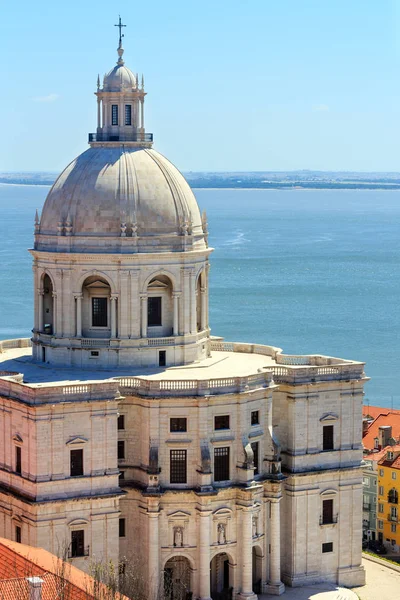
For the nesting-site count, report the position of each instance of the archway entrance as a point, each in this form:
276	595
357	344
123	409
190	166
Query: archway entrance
221	577
257	570
177	579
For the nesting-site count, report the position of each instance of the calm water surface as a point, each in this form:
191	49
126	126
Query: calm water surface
308	271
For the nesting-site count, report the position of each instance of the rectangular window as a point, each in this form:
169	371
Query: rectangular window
380	508
122	528
121	421
380	524
128	114
221	422
393	474
114	114
254	447
221	464
18	460
178	424
327	511
154	311
76	462
162	358
327	547
380	472
99	312
366	480
381	490
177	466
255	417
393	512
393	527
77	543
327	437
18	534
121	449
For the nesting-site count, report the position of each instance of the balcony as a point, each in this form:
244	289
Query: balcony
393	498
393	518
366	506
78	552
131	137
332	521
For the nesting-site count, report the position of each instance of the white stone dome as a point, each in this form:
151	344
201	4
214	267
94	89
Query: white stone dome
120	77
108	188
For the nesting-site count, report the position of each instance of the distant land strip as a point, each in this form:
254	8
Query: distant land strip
256	180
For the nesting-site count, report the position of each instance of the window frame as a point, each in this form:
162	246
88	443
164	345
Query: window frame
96	299
222	456
79	545
222	427
178	429
121	420
122	527
327	547
154	317
255	446
72	458
18	534
18	460
328	438
327	511
114	115
128	115
121	454
178	466
256	422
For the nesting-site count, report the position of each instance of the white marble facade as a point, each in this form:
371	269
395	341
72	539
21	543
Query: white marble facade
129	434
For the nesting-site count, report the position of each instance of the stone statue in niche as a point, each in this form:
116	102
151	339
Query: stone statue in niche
178	536
221	533
255	524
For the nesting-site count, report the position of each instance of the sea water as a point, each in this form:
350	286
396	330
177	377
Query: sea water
309	271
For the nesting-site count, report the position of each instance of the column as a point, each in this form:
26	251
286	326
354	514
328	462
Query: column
204	558
55	313
193	311
175	329
103	115
247	554
143	301
203	300
113	301
40	310
142	113
275	586
78	299
124	306
154	558
134	305
98	113
207	299
185	306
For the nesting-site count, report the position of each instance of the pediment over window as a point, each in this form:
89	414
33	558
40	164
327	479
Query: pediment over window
329	418
77	522
329	492
179	514
98	284
76	440
157	284
223	512
18	438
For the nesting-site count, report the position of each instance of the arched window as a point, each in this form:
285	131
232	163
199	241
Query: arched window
48	305
159	307
96	309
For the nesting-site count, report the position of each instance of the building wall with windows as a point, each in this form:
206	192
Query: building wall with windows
388	498
370	499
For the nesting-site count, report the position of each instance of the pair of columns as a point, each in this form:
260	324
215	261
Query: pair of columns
144	314
275	586
113	319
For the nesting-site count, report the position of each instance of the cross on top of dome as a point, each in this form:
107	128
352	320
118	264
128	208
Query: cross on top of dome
120	50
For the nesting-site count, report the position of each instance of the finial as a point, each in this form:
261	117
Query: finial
142	81
98	81
37	222
121	35
137	81
68	225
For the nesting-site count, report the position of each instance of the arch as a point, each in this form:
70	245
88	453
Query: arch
160	306
257	556
97	319
47	291
98	274
159	273
222	575
50	276
178	577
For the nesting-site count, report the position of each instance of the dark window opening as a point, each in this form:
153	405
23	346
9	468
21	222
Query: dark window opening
162	358
327	547
114	114
327	437
327	511
122	528
154	311
18	460
43	354
121	475
255	417
121	449
99	312
178	424
18	534
94	353
178	463
221	464
221	422
128	114
76	463
77	543
254	447
121	421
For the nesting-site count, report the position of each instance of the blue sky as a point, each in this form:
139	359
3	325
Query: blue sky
232	85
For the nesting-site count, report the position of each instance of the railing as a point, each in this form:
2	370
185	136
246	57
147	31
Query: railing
78	552
17	343
166	341
332	521
393	518
393	498
366	506
192	387
94	343
132	137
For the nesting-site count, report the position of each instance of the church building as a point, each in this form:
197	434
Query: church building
129	433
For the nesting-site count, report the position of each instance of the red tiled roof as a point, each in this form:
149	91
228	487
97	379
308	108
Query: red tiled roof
390	418
18	561
375	411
